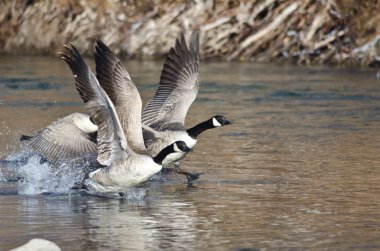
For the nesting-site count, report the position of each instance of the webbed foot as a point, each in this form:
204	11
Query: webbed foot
190	176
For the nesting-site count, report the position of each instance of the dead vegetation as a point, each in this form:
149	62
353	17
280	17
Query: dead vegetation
301	31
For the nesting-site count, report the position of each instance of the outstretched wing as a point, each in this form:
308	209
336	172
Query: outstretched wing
115	80
111	140
178	88
62	140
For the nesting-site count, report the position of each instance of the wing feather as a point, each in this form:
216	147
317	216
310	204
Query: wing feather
111	140
62	140
117	83
178	87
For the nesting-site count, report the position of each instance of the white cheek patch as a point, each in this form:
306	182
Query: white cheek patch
215	122
92	127
87	126
176	149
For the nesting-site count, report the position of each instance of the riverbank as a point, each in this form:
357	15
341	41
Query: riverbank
304	32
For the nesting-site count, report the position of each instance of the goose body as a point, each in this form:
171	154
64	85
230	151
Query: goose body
164	115
121	151
165	138
157	140
123	174
163	118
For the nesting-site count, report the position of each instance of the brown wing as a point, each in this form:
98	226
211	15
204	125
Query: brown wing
111	140
115	80
178	88
62	140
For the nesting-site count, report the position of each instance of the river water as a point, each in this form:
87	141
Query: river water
298	170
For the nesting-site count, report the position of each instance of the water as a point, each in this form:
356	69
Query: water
298	170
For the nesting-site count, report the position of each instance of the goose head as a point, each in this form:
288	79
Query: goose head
181	147
84	122
220	120
213	122
176	147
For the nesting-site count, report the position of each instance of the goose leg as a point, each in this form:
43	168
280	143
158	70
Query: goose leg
190	176
171	170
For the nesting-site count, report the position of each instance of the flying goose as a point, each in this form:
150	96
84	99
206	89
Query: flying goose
164	115
122	152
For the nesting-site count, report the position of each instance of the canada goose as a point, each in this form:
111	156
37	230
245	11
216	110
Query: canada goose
126	160
155	140
164	115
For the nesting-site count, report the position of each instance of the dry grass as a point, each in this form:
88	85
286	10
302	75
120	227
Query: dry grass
302	31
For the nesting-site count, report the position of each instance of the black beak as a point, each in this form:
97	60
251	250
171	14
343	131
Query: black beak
227	122
187	149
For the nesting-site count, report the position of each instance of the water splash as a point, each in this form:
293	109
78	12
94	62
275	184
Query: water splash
137	193
40	178
35	176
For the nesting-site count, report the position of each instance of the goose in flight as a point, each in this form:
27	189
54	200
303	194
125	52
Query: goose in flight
164	115
121	151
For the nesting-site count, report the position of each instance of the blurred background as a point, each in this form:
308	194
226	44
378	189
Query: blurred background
297	170
304	31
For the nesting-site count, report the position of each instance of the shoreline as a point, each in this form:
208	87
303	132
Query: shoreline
328	32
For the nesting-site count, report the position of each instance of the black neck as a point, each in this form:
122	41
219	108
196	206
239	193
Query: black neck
163	153
201	127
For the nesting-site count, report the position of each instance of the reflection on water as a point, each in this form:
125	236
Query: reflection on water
298	169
